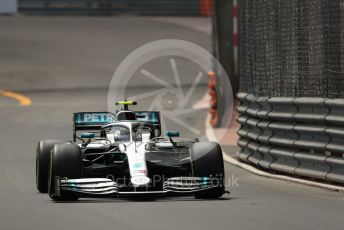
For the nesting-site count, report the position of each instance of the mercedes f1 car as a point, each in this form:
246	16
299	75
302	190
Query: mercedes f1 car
124	154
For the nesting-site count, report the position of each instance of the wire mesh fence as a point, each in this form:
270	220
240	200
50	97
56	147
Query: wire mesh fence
292	48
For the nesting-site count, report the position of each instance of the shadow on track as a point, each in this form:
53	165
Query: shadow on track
150	199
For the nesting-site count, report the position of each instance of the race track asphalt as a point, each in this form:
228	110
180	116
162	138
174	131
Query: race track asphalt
64	65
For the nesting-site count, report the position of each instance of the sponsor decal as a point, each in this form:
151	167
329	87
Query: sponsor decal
98	117
138	165
95	117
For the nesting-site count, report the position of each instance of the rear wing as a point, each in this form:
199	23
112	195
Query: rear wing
93	121
88	121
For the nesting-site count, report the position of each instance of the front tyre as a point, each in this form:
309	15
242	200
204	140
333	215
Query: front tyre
65	162
42	163
207	161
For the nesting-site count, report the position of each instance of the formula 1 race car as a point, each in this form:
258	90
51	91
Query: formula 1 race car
123	155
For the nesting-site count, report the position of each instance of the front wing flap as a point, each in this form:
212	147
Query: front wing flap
86	186
191	184
102	187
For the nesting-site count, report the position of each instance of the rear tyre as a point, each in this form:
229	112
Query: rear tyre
207	160
42	163
65	162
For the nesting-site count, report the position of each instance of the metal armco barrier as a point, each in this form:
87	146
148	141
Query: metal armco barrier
301	136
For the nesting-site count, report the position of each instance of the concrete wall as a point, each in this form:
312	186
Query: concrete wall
8	6
113	7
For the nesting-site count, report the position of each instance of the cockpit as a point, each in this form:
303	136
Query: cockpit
117	133
128	131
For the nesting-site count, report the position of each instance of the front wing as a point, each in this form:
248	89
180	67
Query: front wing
102	187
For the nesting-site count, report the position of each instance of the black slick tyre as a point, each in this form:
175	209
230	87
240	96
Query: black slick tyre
65	162
207	161
43	162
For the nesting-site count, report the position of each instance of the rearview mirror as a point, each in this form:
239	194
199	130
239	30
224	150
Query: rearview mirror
172	134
